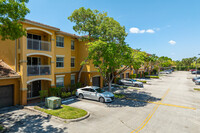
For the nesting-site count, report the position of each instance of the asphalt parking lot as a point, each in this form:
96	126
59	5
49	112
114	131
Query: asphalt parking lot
164	105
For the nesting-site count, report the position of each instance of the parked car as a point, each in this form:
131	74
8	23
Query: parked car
196	72
95	93
130	82
197	82
195	78
164	72
169	71
192	70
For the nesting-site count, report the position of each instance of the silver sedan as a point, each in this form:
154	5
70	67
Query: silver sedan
95	93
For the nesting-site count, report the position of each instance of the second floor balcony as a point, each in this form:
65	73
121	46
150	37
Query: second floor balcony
35	44
34	70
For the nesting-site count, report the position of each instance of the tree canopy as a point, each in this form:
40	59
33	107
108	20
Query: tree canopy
11	12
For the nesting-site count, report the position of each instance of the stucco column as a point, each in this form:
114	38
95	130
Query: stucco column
23	70
53	60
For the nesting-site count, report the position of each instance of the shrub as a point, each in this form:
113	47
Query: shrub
73	92
55	91
146	73
133	76
117	80
65	94
43	94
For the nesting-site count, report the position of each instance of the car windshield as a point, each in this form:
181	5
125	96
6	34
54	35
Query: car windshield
100	90
133	80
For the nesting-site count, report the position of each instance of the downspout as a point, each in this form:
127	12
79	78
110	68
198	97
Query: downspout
16	55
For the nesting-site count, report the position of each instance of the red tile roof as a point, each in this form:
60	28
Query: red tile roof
6	71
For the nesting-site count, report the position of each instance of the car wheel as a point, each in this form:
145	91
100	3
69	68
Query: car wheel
81	96
101	99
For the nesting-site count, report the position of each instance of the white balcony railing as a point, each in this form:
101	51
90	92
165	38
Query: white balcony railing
33	70
38	45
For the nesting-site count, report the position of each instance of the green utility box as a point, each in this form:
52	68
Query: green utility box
53	102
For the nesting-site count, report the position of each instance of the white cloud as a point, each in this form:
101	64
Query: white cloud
150	31
135	30
172	42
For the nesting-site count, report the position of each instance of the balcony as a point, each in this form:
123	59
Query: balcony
38	45
33	70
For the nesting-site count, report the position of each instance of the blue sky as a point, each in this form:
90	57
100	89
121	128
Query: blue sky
162	27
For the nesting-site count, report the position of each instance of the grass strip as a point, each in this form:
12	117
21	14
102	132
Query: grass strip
65	112
197	89
120	96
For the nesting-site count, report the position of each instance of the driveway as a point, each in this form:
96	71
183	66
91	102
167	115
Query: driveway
165	105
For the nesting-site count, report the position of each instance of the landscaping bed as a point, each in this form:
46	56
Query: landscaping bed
65	112
143	81
197	89
120	96
155	77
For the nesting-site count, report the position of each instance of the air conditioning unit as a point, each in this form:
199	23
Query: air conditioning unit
53	102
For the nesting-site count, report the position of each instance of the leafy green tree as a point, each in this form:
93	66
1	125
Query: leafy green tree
11	12
153	60
138	58
164	61
109	57
96	25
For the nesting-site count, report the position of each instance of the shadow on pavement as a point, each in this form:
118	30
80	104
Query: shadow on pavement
139	98
19	121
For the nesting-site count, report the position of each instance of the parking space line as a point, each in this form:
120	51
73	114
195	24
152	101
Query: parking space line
150	115
160	103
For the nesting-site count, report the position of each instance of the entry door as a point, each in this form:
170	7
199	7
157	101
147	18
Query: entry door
33	89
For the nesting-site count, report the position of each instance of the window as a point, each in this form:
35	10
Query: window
72	79
72	45
92	90
59	81
73	62
59	61
86	89
59	41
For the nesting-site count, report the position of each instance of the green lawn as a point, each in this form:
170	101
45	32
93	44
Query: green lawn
155	77
197	89
133	88
119	96
66	112
143	81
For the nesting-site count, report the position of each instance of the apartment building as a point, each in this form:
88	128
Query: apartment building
46	57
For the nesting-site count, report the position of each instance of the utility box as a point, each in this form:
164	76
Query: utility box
53	102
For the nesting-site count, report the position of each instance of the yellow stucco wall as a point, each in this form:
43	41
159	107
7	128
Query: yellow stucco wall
7	52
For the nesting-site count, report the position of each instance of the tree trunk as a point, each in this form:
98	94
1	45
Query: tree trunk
136	72
79	73
109	86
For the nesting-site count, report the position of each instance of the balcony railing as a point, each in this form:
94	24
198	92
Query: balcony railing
38	45
33	70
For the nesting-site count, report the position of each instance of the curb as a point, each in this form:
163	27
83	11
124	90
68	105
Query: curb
58	118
